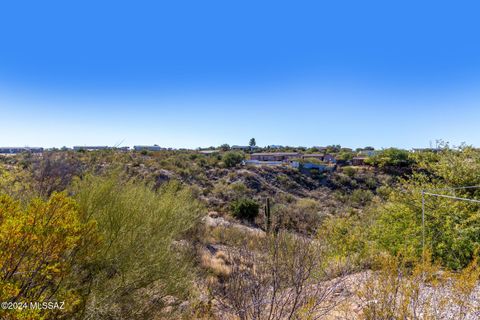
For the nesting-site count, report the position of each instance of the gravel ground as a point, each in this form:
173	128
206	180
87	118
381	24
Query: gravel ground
439	303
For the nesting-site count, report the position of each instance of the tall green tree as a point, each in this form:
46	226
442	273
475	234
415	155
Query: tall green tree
225	147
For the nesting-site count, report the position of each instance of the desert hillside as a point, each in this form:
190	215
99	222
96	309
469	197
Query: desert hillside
189	234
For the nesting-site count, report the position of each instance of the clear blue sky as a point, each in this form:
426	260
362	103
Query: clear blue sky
201	73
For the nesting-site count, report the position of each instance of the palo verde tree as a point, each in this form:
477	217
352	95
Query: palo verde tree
452	228
139	227
39	245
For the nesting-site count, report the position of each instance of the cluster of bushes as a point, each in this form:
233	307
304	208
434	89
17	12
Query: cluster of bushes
298	215
97	248
350	178
391	157
452	228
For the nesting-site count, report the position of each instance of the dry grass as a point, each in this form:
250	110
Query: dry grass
217	263
234	235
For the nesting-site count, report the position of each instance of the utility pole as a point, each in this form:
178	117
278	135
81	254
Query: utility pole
423	226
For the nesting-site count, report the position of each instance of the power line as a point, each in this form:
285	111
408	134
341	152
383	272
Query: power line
451	197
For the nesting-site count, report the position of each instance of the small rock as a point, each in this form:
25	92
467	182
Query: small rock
169	300
215	222
211	249
184	306
213	214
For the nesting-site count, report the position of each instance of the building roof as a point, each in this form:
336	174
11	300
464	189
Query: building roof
151	148
91	147
276	154
14	150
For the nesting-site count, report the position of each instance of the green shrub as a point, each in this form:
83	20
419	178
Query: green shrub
244	209
239	189
345	156
342	180
349	171
371	182
231	159
361	197
138	227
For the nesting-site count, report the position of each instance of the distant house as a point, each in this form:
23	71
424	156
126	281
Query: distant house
235	147
275	156
358	161
15	150
90	148
35	150
147	148
275	146
318	156
329	158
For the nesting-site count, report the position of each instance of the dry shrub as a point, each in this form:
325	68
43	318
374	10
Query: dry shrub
282	280
399	291
54	172
303	216
229	235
